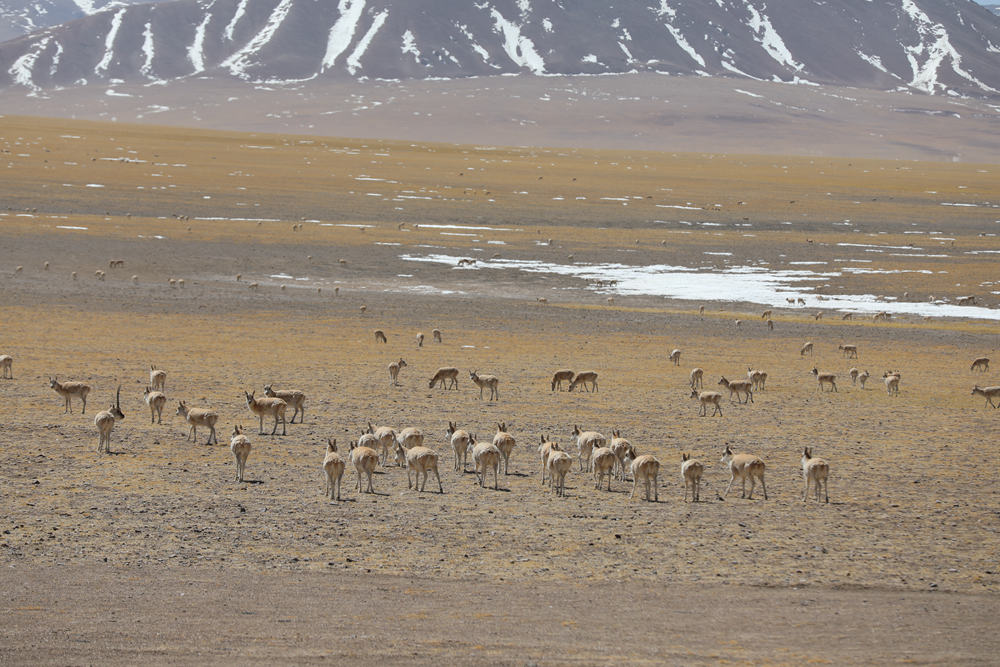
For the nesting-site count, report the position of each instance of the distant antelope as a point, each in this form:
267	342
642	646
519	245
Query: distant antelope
850	351
559	376
744	466
966	300
380	336
817	472
766	315
808	347
891	379
981	363
155	400
757	378
863	377
70	389
854	373
436	335
675	357
105	421
394	369
157	378
239	445
825	378
691	471
486	381
6	364
294	398
582	379
420	340
770	325
449	374
989	393
333	470
116	263
818	315
272	407
707	398
199	417
695	378
99	274
847	316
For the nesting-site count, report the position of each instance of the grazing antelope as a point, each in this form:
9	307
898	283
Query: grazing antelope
461	440
69	389
624	453
770	325
854	373
691	471
766	315
818	315
863	377
449	374
420	340
99	274
582	379
105	421
603	462
272	407
706	398
675	357
485	457
701	310
484	381
394	369
155	400
436	335
419	460
850	351
333	470
989	393
198	417
891	380
6	364
239	445
981	363
560	463
545	449
559	376
647	469
738	387
294	398
586	442
380	336
743	466
116	263
826	378
157	378
808	347
505	442
815	471
364	459
847	316
385	438
966	300
696	378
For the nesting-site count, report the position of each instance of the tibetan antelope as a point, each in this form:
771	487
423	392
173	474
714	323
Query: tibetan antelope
505	442
272	407
394	369
757	378
436	335
738	387
484	381
69	389
6	362
447	376
815	471
603	462
545	449
157	378
982	364
333	470
647	469
808	347
364	459
420	460
854	373
485	457
825	378
155	400
989	393
460	441
696	378
239	445
105	421
380	336
743	466
850	351
559	376
691	471
706	398
582	379
198	417
891	380
294	398
385	438
586	443
560	463
420	339
624	453
675	357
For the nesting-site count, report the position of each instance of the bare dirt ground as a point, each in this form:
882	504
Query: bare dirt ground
155	553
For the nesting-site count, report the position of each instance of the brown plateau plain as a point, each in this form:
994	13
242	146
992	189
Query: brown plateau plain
153	553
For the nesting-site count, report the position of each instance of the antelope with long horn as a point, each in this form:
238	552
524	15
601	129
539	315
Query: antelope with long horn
105	421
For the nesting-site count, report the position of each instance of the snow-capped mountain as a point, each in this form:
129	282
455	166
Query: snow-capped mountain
19	17
934	46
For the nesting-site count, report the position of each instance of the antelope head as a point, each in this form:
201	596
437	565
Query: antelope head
116	409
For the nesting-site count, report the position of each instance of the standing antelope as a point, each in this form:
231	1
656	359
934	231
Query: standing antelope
333	470
560	463
157	378
545	449
394	369
743	466
485	457
198	417
239	445
738	387
70	389
460	442
675	357
850	351
826	378
292	397
815	471
420	340
6	361
155	400
385	438
484	381
981	363
863	377
691	471
419	460
854	373
624	453
646	468
766	315
706	398
582	379
273	407
989	393
696	378
757	378
891	380
603	462
379	336
105	421
559	376
586	442
436	335
505	442
364	459
449	374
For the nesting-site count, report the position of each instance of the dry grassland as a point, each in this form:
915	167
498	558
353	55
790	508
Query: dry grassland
914	502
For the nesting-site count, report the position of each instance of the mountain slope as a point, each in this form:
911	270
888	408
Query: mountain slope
934	46
20	17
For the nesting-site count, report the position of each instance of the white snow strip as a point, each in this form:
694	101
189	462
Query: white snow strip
22	68
519	48
196	52
342	31
109	42
410	46
935	47
354	60
237	15
746	92
70	227
147	51
769	38
238	63
56	57
671	14
86	6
